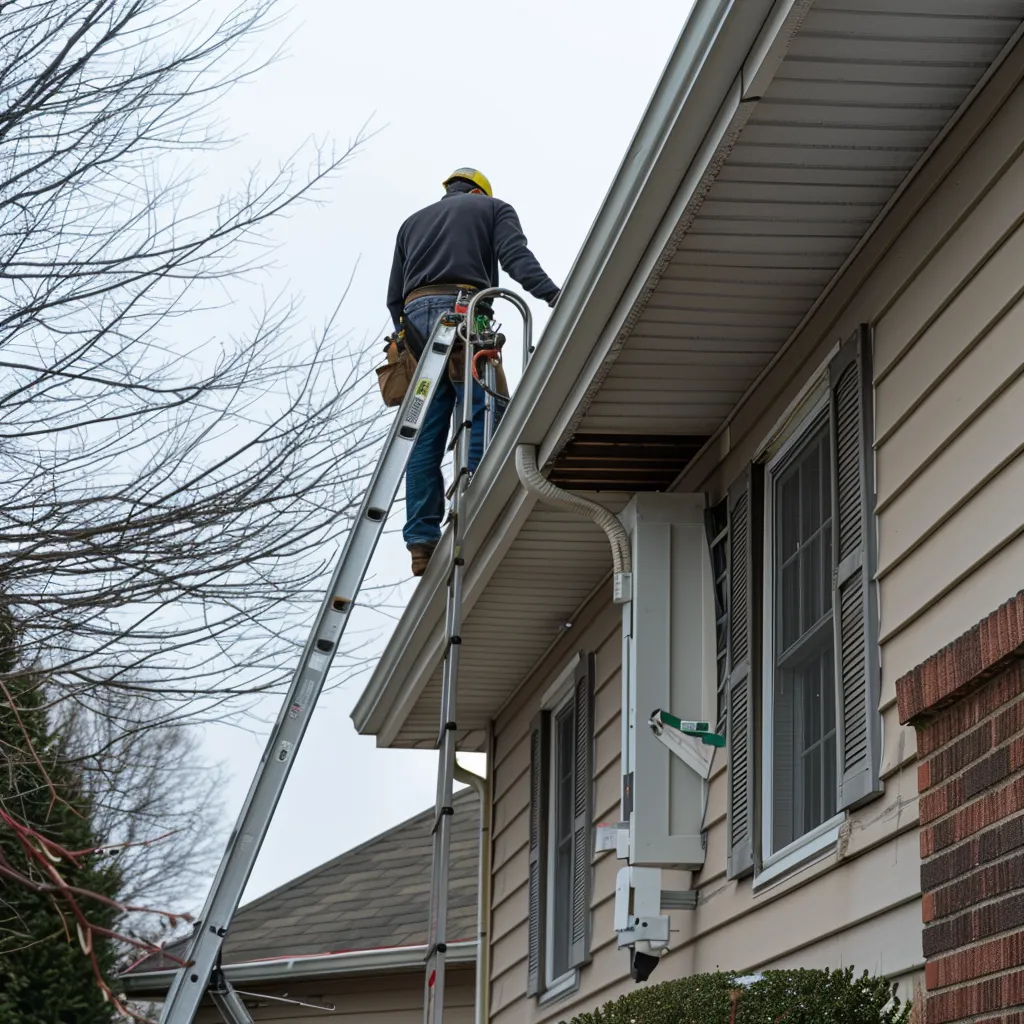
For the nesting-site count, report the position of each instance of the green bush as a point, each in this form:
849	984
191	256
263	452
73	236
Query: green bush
793	997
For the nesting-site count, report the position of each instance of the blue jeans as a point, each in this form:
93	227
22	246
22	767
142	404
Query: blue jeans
424	483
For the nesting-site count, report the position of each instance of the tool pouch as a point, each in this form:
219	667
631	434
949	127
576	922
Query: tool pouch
395	376
457	363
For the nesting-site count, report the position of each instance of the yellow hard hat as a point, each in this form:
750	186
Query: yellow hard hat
478	178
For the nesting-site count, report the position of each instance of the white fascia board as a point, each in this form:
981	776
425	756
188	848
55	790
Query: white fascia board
695	105
326	965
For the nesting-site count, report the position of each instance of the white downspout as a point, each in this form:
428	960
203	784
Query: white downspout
622	594
482	787
536	483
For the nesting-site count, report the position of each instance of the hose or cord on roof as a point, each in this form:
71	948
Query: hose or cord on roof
550	494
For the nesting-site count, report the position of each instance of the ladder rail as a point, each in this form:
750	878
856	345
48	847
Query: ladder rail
191	983
228	1002
447	740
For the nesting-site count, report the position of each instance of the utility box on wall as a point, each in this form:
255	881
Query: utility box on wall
668	665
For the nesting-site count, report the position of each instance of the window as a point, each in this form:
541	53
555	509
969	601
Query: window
801	636
561	772
802	736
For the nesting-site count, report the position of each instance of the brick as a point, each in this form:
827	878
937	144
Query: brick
957	755
987	846
1001	840
927	842
953	721
993	880
983	812
1009	722
967	704
947	866
1000	993
940	801
994	769
975	962
973	925
963	663
928	907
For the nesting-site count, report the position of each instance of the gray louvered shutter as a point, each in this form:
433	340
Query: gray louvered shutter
539	746
583	774
854	602
742	673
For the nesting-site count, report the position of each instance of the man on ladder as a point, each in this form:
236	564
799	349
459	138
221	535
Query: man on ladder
413	390
452	246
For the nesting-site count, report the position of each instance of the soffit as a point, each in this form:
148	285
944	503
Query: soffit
862	93
553	567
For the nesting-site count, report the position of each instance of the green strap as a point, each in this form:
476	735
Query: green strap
699	730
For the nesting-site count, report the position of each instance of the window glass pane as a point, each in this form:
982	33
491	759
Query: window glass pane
562	839
788	613
810	584
810	493
783	751
803	691
788	530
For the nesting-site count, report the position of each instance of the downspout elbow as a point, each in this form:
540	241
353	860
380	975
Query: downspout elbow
536	483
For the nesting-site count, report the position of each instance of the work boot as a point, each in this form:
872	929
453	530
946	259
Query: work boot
420	557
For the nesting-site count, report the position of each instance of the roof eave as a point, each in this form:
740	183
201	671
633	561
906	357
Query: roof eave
315	966
699	98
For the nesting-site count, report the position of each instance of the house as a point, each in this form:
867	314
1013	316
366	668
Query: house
789	358
349	936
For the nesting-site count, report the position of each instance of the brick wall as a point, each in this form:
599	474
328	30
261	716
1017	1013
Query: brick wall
967	704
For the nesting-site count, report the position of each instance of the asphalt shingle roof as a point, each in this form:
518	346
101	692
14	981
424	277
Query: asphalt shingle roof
374	896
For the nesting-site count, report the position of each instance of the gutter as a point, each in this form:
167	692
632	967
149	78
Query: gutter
316	965
701	102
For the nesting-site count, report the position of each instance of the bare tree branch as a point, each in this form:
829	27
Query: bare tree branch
172	493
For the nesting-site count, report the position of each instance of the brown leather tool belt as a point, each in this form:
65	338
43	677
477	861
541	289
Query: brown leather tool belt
438	289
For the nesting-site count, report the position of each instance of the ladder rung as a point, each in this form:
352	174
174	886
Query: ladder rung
436	949
459	427
445	812
450	493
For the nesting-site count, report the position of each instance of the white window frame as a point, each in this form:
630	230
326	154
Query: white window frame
819	839
557	697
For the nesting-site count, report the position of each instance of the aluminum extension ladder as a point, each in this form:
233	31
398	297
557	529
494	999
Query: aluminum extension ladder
444	811
203	974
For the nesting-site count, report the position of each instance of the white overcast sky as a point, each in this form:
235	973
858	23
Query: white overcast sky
543	96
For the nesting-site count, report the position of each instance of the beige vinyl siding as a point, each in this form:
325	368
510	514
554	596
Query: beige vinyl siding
871	917
950	399
393	998
941	283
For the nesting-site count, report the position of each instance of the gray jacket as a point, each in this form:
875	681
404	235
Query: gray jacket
461	239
